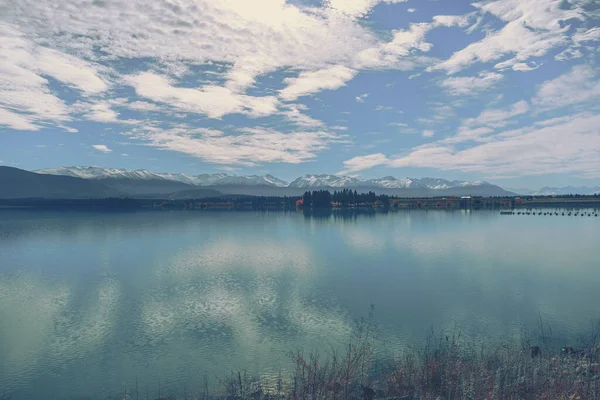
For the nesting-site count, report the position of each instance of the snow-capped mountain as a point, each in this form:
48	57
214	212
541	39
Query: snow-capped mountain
251	180
100	173
439	184
197	180
142	174
251	184
392	183
388	182
558	191
313	181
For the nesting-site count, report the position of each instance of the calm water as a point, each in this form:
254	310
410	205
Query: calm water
91	302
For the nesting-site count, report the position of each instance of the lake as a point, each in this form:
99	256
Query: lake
90	303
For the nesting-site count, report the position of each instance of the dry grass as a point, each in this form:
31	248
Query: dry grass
445	366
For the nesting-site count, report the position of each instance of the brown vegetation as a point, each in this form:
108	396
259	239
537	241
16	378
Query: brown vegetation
444	367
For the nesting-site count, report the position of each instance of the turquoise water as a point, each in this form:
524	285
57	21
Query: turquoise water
92	302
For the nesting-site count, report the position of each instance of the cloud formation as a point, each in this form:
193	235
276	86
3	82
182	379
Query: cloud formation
243	146
471	85
567	146
532	29
579	85
101	147
212	101
250	83
313	82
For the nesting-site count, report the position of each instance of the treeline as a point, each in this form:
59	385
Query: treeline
256	202
576	196
227	202
344	198
73	204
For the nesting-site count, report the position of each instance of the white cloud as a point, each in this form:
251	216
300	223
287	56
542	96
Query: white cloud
101	147
428	133
499	116
241	41
308	83
532	28
411	10
413	38
524	67
587	36
357	8
439	113
26	100
402	52
16	121
102	112
143	106
255	37
339	128
559	145
124	155
70	70
452	20
293	113
580	84
477	128
361	98
572	146
48	47
459	86
361	163
568	54
245	146
467	133
213	101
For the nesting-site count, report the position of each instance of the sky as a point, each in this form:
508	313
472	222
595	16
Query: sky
505	91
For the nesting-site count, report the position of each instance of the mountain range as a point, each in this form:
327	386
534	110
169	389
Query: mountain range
558	191
86	182
16	183
144	182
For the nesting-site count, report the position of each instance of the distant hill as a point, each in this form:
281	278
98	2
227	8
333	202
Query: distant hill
143	187
194	194
145	183
17	184
559	191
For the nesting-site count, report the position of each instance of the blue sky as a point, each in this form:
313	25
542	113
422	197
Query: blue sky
505	91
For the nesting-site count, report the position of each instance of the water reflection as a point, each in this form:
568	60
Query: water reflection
91	302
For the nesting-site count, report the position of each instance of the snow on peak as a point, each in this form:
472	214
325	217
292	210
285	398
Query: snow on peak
313	181
93	172
221	179
250	180
392	183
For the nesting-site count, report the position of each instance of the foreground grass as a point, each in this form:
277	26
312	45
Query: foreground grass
443	367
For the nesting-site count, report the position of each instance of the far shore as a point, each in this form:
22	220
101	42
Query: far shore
257	203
